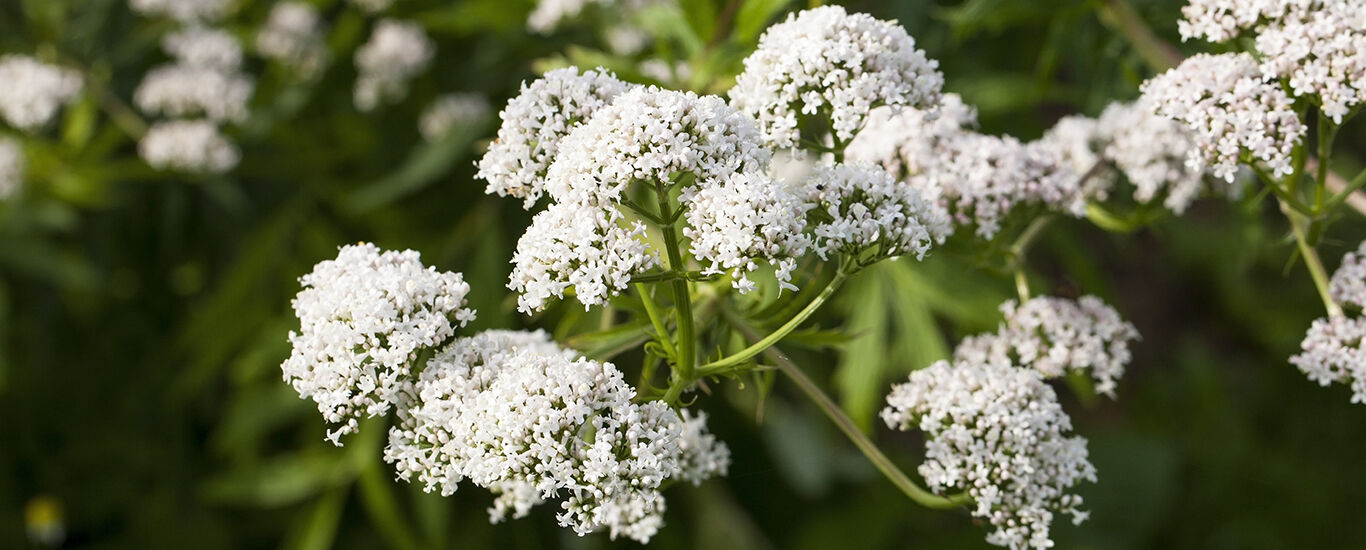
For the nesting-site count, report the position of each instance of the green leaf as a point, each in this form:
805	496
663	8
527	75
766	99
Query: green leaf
753	17
427	163
316	527
862	366
608	343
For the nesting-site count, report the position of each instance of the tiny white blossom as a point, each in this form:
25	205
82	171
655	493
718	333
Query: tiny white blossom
204	47
450	111
33	91
1055	336
395	52
861	207
364	317
1320	50
745	218
534	122
11	167
984	177
911	142
997	433
189	146
828	63
180	90
571	246
293	36
1333	352
1348	285
515	414
185	11
1229	106
548	13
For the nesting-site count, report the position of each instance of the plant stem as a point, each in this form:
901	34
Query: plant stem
1020	248
685	346
1021	284
656	320
725	363
1312	261
846	425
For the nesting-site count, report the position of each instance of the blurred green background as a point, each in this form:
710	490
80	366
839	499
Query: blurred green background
143	315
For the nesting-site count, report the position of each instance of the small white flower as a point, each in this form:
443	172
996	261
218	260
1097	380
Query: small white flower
1348	285
571	246
180	90
1229	107
364	317
450	111
185	11
33	91
1320	50
745	218
293	36
11	167
395	52
861	207
911	142
204	48
1055	336
997	433
1333	352
189	146
984	177
826	62
534	122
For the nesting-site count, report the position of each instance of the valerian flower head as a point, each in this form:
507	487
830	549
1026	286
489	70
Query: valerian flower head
204	47
33	91
188	146
911	142
364	317
1319	48
515	414
395	52
860	207
1055	336
1348	285
1229	107
293	36
451	111
588	249
984	177
996	432
179	90
1333	352
828	63
11	167
534	122
745	218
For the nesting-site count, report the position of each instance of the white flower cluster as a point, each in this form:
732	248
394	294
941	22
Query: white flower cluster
395	52
372	6
364	318
1319	48
184	11
513	413
1055	336
828	63
450	111
745	217
1229	106
1222	20
910	142
293	36
1333	346
189	146
584	248
11	167
534	122
997	433
33	91
1149	150
862	207
549	13
204	80
1334	352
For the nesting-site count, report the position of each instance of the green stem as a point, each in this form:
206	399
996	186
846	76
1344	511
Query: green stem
1312	261
1020	248
656	320
686	346
846	425
1356	183
729	362
1021	284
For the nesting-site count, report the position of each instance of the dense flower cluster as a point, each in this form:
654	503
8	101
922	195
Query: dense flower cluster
1317	46
1055	336
589	249
395	52
293	36
11	167
1334	352
1348	285
1229	107
185	11
534	122
836	65
188	146
910	142
364	318
743	218
1127	138
204	80
861	207
513	413
33	91
450	111
996	432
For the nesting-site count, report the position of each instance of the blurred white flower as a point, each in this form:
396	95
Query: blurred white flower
830	64
1229	107
861	207
395	53
1333	352
364	318
188	146
1055	336
997	433
203	47
372	7
182	90
33	91
185	11
1348	285
293	36
450	111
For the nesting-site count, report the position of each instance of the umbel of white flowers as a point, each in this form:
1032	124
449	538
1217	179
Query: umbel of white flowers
509	411
1334	348
33	91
